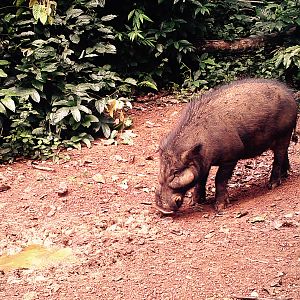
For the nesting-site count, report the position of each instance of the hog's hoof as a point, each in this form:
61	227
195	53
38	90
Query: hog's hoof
273	184
219	206
198	200
221	203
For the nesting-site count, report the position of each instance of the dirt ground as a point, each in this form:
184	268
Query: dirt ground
99	205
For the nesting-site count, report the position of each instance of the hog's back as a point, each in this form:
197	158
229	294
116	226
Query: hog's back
236	121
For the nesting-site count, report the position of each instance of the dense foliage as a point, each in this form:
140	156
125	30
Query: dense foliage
68	69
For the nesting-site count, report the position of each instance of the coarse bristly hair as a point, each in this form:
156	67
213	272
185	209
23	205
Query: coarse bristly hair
201	104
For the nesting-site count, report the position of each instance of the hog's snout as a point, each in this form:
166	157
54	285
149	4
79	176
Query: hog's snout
178	202
166	202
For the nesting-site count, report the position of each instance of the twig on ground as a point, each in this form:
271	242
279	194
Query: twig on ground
48	169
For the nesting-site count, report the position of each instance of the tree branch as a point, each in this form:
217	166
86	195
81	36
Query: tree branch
245	44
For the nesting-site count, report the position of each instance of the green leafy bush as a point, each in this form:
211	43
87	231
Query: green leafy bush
68	70
56	88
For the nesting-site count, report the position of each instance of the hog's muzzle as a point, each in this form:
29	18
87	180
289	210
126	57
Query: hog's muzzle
167	204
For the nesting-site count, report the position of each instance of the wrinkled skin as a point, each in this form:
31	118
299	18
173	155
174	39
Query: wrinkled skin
236	121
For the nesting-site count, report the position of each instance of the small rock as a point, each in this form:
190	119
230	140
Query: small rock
141	242
99	178
254	294
62	189
114	178
30	296
209	235
52	211
150	157
113	227
120	158
241	214
4	187
258	219
118	278
124	184
277	282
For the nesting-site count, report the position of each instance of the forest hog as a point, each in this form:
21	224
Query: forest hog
236	121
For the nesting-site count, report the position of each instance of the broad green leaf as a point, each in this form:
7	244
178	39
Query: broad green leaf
95	3
131	81
144	17
87	142
4	62
43	16
39	43
88	120
16	92
83	20
76	113
297	62
149	84
60	114
36	11
131	14
2	109
100	106
101	48
113	134
278	60
74	38
296	50
108	18
287	60
38	131
73	13
84	109
45	52
106	130
35	96
75	145
2	73
50	68
38	85
92	118
9	103
76	138
61	103
21	76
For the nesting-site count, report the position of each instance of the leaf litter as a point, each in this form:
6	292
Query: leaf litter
123	246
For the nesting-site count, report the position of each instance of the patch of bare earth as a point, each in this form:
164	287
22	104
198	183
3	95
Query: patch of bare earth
125	249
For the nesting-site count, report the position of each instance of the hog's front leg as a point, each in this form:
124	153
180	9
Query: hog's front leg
223	175
199	193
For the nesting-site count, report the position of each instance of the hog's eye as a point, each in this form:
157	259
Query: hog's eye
176	172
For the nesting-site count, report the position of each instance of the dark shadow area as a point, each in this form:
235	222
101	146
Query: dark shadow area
245	194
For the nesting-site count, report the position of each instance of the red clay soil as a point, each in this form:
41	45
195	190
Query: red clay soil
125	249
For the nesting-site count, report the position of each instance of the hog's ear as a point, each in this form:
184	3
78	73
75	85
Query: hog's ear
183	179
190	154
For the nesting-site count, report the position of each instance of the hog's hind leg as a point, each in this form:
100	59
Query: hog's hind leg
285	166
281	163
